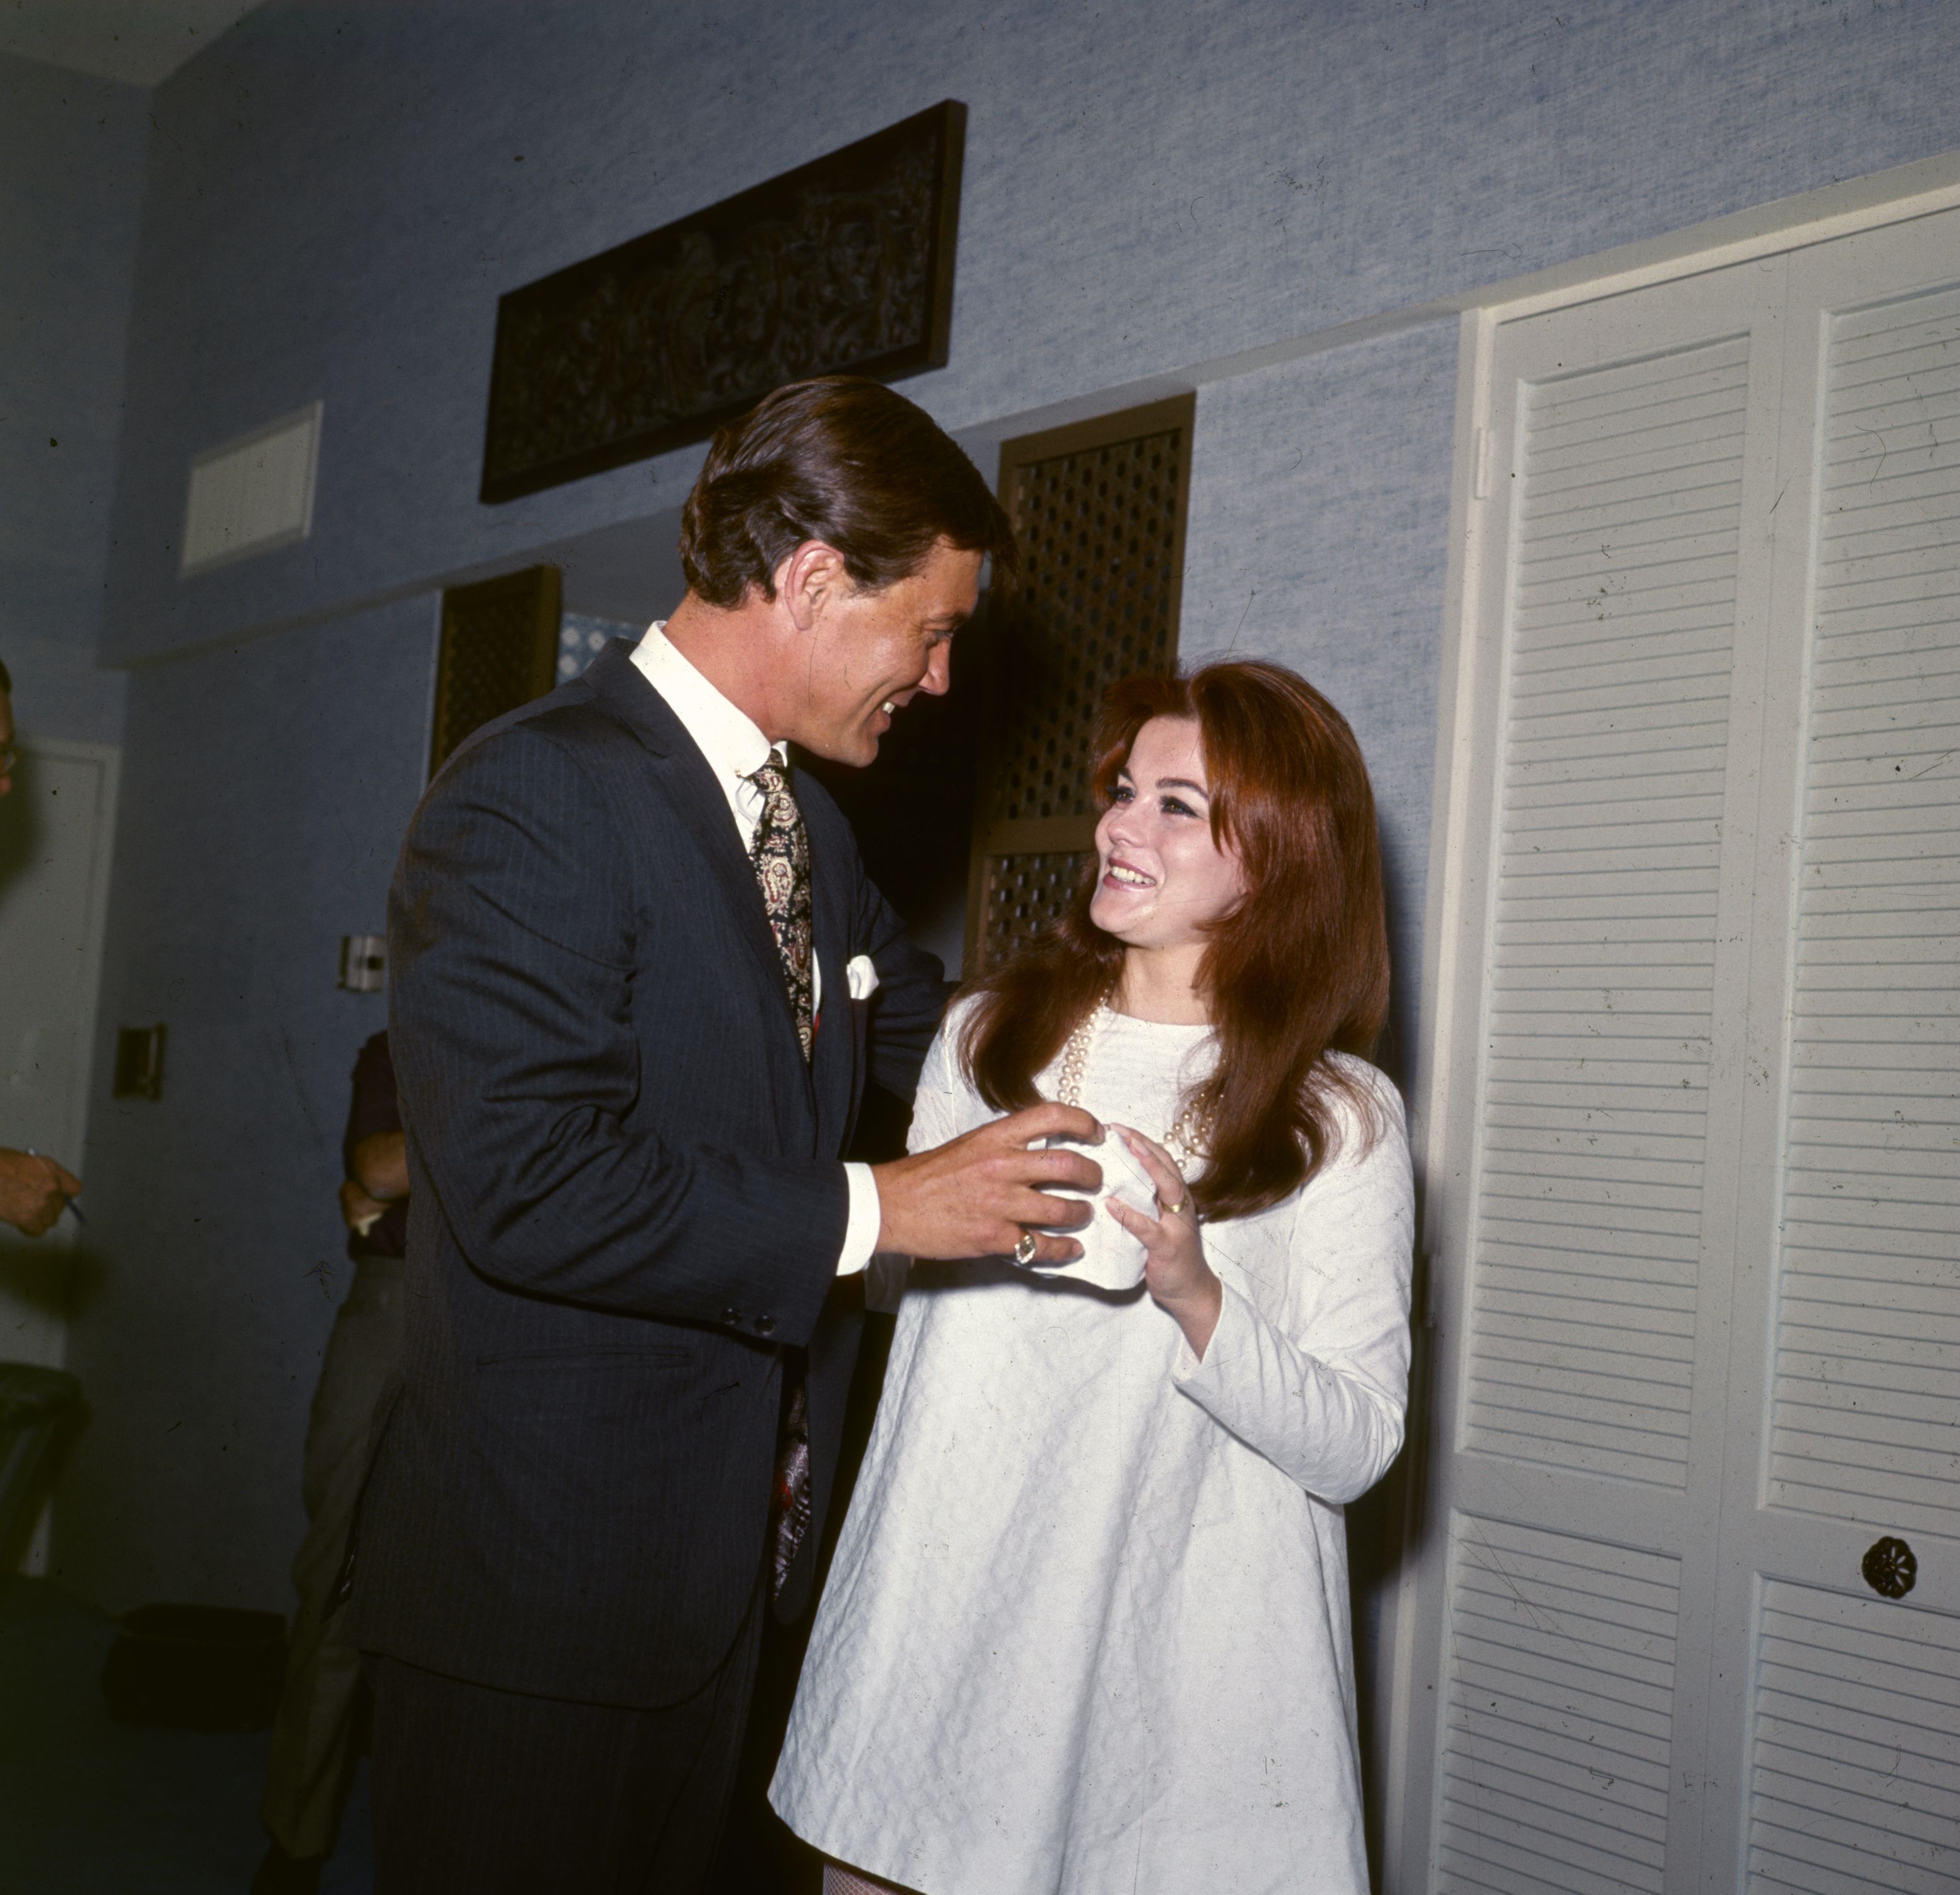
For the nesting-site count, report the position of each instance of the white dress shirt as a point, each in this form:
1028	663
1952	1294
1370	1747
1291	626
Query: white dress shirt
736	748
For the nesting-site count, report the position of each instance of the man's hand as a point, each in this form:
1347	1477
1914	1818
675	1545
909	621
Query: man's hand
359	1212
381	1166
33	1191
975	1196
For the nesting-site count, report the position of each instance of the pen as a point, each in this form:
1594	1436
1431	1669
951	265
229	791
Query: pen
68	1204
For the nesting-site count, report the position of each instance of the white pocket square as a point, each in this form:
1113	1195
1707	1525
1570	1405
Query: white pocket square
860	977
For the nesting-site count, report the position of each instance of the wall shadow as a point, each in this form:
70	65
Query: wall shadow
1386	1527
912	808
20	824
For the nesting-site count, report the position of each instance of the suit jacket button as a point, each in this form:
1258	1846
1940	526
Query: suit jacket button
731	1316
765	1325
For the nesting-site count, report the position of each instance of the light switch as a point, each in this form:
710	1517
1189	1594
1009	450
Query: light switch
139	1063
363	963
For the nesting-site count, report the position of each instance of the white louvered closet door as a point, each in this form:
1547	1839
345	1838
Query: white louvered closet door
1602	883
1840	1705
1691	1145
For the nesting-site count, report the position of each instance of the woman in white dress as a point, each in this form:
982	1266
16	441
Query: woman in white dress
1086	1630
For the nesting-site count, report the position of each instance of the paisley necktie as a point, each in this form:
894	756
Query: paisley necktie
782	857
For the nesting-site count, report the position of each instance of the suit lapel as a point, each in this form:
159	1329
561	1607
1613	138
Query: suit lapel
697	797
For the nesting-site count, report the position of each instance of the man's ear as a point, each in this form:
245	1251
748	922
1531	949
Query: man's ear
811	578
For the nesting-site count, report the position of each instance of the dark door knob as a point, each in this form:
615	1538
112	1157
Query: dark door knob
1889	1568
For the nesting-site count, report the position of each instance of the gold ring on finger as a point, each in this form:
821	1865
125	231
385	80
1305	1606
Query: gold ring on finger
1171	1210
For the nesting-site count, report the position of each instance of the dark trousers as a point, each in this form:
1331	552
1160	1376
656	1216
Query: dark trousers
479	1791
315	1738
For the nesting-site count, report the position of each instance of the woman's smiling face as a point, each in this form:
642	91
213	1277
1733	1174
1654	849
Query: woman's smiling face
1163	879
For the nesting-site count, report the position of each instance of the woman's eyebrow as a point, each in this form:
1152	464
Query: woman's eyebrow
1182	783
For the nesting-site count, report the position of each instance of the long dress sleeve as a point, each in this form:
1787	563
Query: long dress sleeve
1309	1365
945	1105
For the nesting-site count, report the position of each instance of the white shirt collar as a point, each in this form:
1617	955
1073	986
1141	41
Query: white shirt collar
730	739
735	747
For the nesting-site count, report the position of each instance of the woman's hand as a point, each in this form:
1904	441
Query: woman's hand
1174	1271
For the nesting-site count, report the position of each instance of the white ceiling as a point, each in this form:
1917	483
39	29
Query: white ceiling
139	42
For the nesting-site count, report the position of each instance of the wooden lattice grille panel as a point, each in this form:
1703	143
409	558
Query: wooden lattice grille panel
1868	1327
1559	1714
1098	510
1024	893
500	647
1587	1252
1098	531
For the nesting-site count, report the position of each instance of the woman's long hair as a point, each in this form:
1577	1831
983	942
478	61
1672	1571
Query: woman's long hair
1297	968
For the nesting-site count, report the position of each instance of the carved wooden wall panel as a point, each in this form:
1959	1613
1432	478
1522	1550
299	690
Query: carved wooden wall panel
842	265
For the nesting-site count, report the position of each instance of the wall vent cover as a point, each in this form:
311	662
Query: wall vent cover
253	493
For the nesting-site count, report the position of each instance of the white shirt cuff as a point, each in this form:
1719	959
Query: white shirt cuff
861	1233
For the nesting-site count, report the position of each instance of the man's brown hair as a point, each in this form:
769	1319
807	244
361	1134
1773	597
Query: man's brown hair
842	459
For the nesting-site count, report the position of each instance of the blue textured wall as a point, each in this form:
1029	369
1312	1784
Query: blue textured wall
336	196
339	195
71	184
264	788
1320	495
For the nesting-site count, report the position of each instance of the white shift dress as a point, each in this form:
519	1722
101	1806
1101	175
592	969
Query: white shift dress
1087	1631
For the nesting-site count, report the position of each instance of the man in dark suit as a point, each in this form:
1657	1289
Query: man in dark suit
639	980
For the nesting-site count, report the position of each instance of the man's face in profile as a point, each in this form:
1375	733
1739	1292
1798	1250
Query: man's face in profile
876	650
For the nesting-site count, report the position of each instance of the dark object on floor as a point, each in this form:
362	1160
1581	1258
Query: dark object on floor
196	1668
41	1411
280	1874
91	1806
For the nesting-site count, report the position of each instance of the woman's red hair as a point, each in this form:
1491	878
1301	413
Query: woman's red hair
1298	968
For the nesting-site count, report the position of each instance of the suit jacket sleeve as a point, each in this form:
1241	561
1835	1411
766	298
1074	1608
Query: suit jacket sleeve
511	932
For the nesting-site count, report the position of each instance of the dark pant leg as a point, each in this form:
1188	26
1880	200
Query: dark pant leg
313	1750
479	1791
680	1785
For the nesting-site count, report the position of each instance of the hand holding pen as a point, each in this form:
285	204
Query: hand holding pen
34	1191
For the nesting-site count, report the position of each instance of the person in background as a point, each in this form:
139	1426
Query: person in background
316	1736
34	1190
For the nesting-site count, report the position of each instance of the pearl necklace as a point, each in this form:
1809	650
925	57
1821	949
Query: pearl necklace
1188	1139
